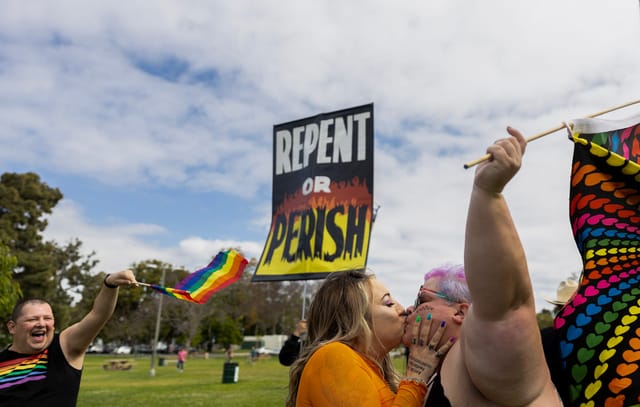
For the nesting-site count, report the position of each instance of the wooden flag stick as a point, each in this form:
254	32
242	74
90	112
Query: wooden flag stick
553	130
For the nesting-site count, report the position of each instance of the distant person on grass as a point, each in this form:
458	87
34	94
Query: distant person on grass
182	357
43	368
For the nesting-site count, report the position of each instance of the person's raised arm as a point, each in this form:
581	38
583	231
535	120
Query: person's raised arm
76	339
495	263
500	338
291	348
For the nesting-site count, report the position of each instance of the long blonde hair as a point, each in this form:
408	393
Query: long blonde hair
340	312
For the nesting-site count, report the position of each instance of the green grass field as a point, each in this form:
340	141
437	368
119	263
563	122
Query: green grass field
262	383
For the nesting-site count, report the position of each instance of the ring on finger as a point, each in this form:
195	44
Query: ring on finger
439	354
414	341
431	347
421	342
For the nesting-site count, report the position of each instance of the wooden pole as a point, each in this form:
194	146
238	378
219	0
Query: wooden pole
304	299
552	130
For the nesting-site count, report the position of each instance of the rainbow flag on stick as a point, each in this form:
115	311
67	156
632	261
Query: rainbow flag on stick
226	268
598	329
173	292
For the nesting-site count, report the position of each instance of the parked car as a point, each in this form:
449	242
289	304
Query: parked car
96	347
142	348
267	351
123	350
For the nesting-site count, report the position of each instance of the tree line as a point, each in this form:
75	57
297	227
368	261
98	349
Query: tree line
31	266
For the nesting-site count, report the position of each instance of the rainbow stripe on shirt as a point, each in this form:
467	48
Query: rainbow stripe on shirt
27	369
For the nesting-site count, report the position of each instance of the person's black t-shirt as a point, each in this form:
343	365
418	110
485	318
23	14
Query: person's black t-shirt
436	397
551	346
43	379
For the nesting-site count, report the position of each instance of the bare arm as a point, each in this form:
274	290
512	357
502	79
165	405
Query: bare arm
76	339
500	342
495	261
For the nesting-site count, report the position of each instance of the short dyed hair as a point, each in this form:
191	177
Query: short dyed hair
453	281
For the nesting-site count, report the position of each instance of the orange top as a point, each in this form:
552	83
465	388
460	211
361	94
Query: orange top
336	375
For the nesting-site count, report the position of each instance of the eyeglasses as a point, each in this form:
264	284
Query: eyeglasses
438	294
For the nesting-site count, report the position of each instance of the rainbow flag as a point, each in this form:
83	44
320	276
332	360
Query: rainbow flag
598	328
226	268
174	292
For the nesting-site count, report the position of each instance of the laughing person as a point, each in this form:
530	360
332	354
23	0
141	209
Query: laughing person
43	368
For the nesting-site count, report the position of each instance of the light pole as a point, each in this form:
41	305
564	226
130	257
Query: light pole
154	345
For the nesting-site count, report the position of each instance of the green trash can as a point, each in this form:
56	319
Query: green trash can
230	372
160	361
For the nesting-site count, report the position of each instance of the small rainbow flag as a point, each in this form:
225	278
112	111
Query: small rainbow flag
173	292
226	268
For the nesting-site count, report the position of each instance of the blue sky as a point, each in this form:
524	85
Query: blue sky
155	118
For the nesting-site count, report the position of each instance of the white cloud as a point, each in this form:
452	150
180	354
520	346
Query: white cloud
446	78
119	245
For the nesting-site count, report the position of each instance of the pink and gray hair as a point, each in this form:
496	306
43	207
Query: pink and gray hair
453	281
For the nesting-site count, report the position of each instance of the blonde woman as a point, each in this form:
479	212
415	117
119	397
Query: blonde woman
354	323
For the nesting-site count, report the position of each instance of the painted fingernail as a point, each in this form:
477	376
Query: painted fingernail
418	318
452	339
428	316
442	324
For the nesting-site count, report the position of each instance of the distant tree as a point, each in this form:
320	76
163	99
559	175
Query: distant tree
44	269
24	199
181	319
545	318
24	202
133	320
243	308
292	311
224	313
74	282
276	306
227	332
10	291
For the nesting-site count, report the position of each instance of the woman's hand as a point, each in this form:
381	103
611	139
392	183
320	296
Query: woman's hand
424	354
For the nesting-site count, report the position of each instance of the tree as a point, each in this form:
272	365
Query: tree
241	308
24	199
63	276
44	269
545	318
133	320
24	202
10	291
227	332
72	277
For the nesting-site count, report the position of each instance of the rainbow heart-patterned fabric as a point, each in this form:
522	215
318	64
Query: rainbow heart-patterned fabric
599	328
